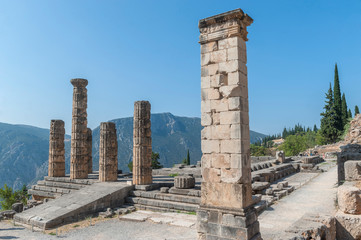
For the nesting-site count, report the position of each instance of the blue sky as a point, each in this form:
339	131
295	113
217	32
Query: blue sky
148	50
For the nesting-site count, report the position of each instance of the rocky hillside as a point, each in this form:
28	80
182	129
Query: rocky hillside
24	149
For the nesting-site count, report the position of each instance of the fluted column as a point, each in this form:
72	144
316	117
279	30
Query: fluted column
142	144
108	152
56	149
78	158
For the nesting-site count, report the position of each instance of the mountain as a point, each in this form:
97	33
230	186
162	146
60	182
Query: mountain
24	149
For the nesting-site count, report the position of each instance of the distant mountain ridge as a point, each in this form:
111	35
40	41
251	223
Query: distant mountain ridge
24	149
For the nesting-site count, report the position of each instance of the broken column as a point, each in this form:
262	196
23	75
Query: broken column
226	210
56	149
89	141
142	144
78	156
108	153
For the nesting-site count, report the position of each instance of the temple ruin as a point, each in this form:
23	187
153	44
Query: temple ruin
56	149
79	155
142	144
108	153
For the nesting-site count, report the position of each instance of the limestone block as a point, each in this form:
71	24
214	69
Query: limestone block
206	106
231	146
231	175
209	47
230	117
212	69
232	42
221	160
184	182
211	174
237	78
206	132
230	91
231	66
349	198
205	59
348	226
220	132
239	160
259	186
236	53
206	161
215	118
206	82
219	56
236	131
210	146
213	94
353	170
204	94
234	103
206	119
219	80
219	105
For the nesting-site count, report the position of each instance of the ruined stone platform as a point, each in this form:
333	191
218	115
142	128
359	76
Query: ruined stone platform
75	205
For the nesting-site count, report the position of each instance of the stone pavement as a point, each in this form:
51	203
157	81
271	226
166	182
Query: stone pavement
315	197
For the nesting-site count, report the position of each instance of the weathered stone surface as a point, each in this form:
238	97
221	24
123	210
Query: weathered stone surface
226	165
89	141
353	171
108	152
8	214
184	182
280	156
142	144
349	198
348	227
79	152
17	207
56	149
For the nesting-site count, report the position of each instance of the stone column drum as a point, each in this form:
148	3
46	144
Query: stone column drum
142	144
89	141
56	149
226	210
79	156
108	153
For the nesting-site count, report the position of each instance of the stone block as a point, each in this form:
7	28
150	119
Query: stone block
348	227
219	80
230	91
205	82
211	174
219	56
231	146
209	47
238	78
206	106
213	94
206	119
220	160
230	117
349	198
210	146
205	59
352	170
221	132
219	105
184	182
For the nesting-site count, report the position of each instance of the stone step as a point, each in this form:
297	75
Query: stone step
167	197
68	180
43	194
51	189
60	184
162	204
159	209
186	192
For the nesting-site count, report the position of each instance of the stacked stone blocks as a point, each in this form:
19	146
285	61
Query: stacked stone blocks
108	152
89	141
226	165
142	144
79	150
56	149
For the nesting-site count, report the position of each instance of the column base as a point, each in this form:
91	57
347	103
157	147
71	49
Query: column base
227	224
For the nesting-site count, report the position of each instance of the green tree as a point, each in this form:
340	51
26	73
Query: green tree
8	197
293	145
329	125
130	166
188	158
155	163
344	110
349	114
337	101
357	111
315	129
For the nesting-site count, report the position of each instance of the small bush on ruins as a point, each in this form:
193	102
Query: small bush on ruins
8	196
155	163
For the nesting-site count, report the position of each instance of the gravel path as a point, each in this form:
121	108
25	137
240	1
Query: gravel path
317	196
108	230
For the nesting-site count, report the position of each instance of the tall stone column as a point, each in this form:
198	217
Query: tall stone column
142	144
108	153
226	210
89	142
56	149
79	156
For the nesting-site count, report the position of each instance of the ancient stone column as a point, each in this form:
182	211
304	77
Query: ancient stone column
226	210
142	144
89	141
79	156
108	153
56	149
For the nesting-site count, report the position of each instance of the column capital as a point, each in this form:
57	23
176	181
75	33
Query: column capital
225	25
79	82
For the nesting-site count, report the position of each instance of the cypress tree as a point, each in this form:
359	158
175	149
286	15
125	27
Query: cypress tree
315	129
337	100
344	110
188	158
349	113
356	110
329	125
